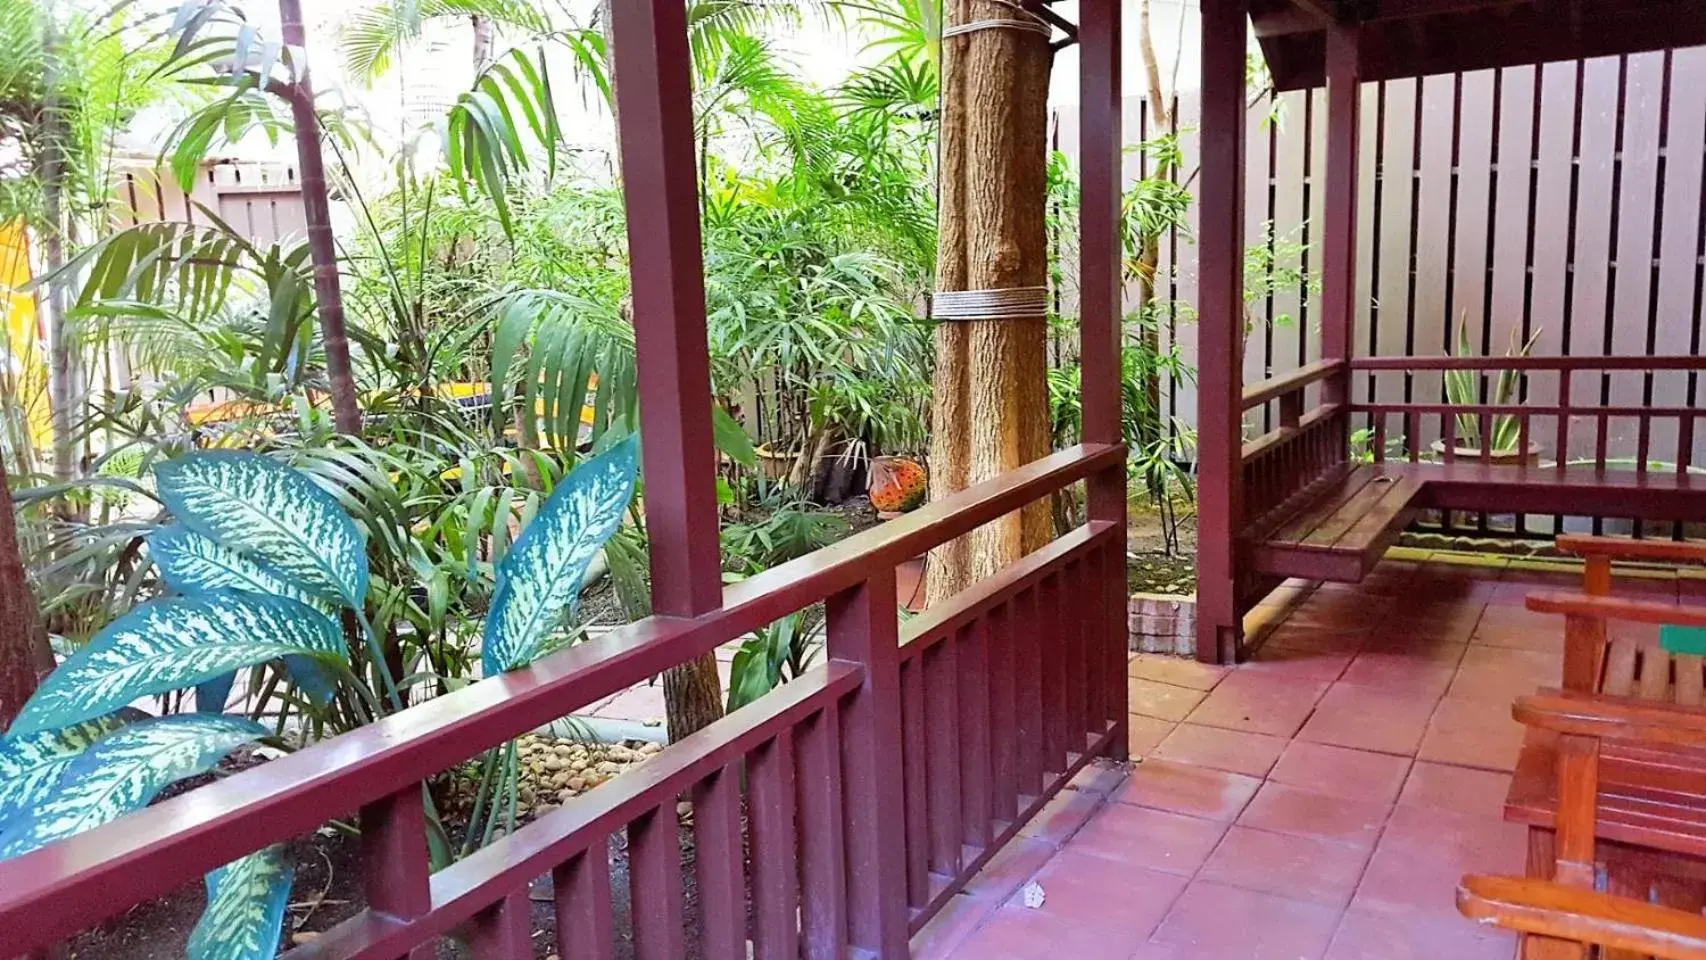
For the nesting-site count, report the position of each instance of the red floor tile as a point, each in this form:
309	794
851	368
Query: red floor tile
1258	704
1424	853
1369	718
1017	933
1177	671
957	920
1374	932
1126	902
1342	772
1061	817
1464	790
1236	751
1182	788
1153	839
1162	700
1146	734
1286	865
1211	921
1473	733
1501	674
1011	866
1293	810
1403	675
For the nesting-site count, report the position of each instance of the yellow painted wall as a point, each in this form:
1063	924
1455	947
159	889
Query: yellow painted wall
23	368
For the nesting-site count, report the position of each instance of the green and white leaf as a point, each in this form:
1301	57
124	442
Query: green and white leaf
274	514
245	908
31	764
175	643
192	564
540	578
123	772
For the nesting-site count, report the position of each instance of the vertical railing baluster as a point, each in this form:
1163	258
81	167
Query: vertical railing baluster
395	871
1074	654
1643	442
976	775
942	754
1028	693
1448	436
1601	440
1112	646
823	864
1053	670
863	629
1003	752
1486	437
1523	437
914	773
654	884
586	929
775	870
719	864
1562	453
1684	443
1378	441
1413	429
504	930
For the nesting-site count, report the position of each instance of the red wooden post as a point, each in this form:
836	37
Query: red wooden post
1100	317
395	874
654	96
1220	334
1339	232
582	888
863	629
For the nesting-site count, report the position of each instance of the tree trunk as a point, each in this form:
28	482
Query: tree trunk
316	212
1149	255
24	650
52	169
990	396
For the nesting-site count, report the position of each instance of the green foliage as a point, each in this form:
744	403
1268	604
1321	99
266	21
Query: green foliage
1464	387
245	908
774	655
32	764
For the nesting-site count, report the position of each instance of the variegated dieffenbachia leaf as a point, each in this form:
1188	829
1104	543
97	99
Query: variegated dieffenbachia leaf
31	764
123	771
540	578
245	908
170	644
191	563
276	515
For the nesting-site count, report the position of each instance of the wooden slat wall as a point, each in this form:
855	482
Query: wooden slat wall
1503	197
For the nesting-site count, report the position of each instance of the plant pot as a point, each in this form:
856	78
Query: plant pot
1501	458
896	485
774	465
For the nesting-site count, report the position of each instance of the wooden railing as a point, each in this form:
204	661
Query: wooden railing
1422	424
991	703
1304	450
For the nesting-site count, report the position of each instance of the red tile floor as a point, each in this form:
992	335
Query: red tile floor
1319	801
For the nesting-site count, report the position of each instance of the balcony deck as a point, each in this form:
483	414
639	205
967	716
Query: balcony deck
1319	801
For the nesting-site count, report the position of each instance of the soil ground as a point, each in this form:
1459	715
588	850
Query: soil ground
1153	563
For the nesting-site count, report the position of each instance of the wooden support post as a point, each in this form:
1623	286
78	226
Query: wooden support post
863	628
1339	232
654	98
395	871
1101	319
1220	328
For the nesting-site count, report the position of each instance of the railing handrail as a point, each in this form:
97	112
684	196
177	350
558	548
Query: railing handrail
1554	363
1258	447
53	892
1524	409
1272	388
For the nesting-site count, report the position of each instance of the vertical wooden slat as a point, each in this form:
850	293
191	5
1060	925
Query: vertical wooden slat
718	863
1448	436
774	868
504	930
1685	440
1379	440
863	629
1075	653
1562	451
1486	437
1003	753
823	864
976	773
654	884
585	926
654	96
942	734
395	870
1028	693
914	774
1413	431
1052	644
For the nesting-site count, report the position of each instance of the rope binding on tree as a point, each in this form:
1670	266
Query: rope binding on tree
1012	303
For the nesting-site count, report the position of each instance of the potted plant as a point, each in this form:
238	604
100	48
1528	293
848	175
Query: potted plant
1463	388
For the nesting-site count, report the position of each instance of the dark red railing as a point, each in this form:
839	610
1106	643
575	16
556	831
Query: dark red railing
1304	451
991	702
1548	389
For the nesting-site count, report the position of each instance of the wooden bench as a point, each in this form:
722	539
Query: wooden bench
1566	920
1338	528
